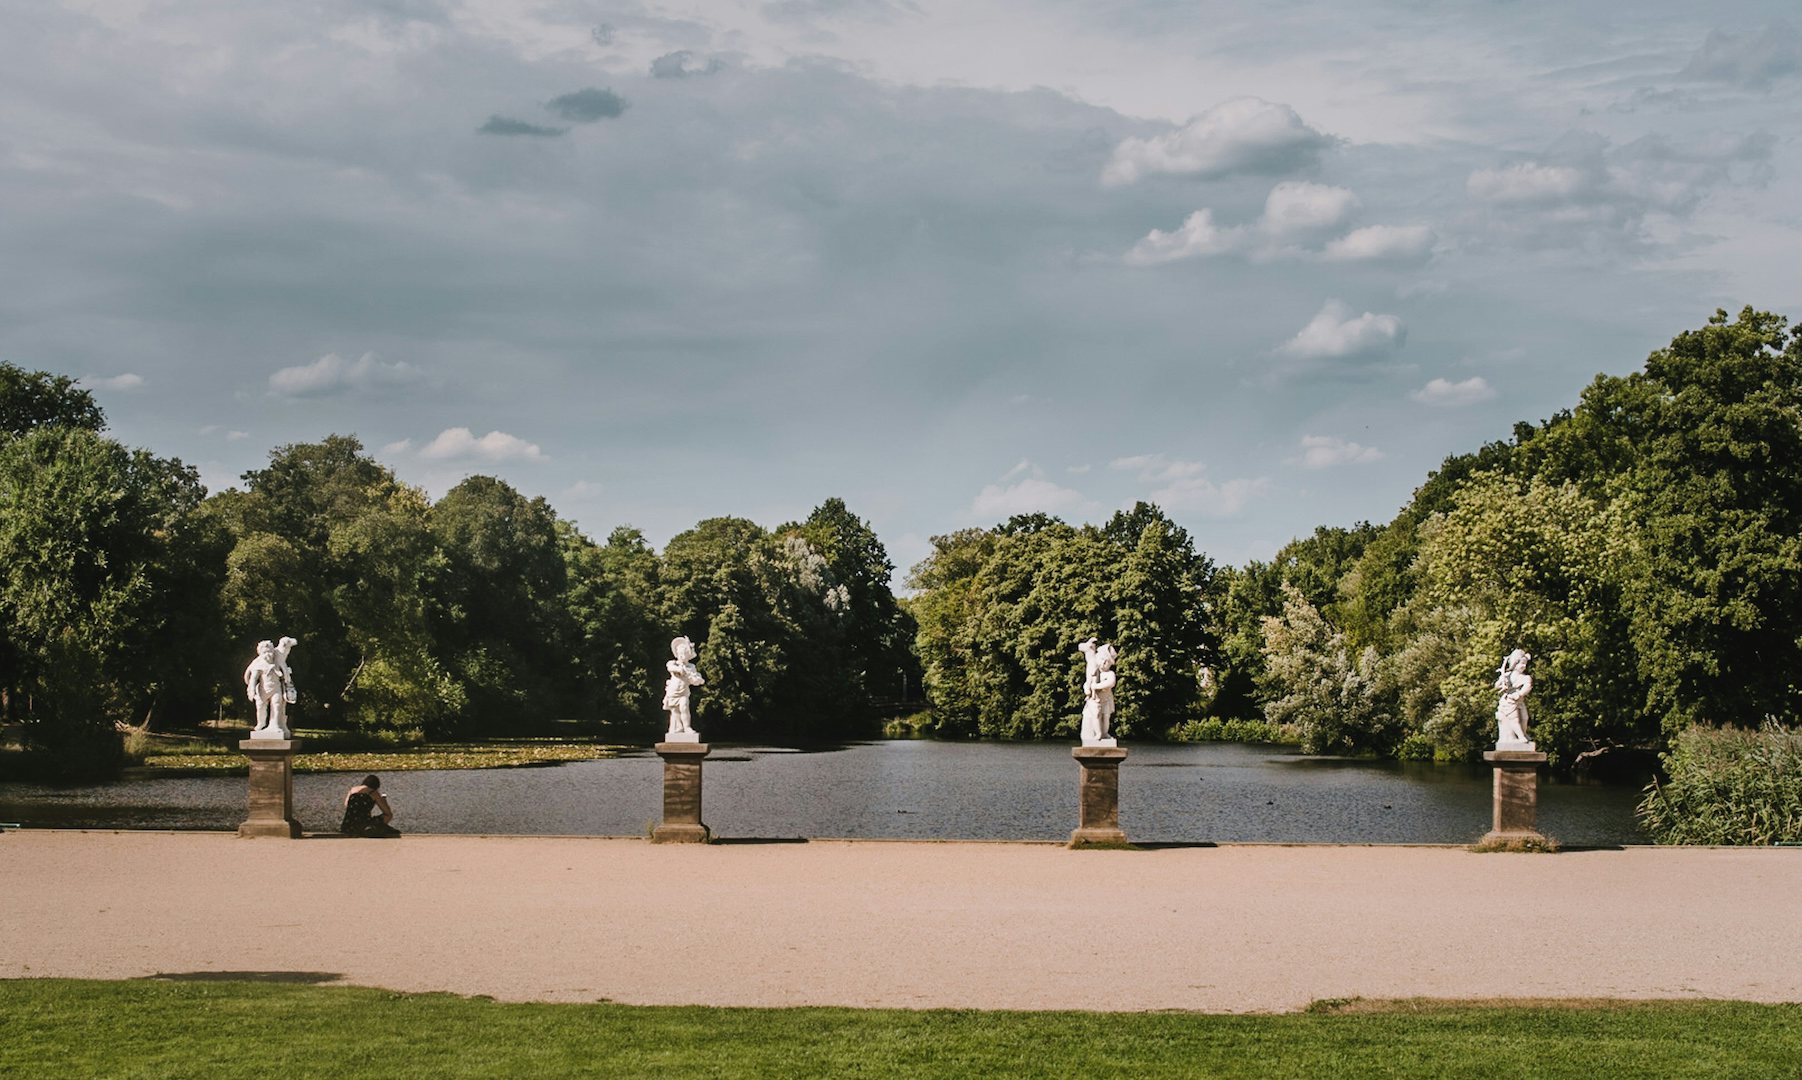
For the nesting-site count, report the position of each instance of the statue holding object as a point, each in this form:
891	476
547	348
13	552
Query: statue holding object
682	675
1511	711
1098	693
269	683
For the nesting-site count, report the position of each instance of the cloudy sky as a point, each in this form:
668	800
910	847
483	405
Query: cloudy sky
1263	263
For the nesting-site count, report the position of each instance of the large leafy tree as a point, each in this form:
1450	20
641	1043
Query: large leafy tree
1001	611
1718	484
334	550
769	619
102	557
504	624
878	634
621	644
1526	563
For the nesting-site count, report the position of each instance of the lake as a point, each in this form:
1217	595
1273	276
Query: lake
899	789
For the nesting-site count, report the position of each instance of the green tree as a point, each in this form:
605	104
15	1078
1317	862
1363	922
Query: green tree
1000	613
1336	696
878	633
622	645
504	624
332	549
100	554
34	399
1717	600
1536	565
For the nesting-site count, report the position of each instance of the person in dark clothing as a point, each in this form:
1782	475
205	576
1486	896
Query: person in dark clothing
366	810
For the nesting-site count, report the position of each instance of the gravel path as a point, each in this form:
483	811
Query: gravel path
1015	926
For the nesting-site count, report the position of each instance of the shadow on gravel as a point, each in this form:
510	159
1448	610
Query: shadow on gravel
308	977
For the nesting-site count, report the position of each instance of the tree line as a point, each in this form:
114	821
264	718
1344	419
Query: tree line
1645	546
128	594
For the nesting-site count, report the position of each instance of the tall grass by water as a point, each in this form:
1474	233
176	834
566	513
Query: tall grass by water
1728	786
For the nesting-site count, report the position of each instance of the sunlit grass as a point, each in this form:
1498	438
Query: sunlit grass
67	1028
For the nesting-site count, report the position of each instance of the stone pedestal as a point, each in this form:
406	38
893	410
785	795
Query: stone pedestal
1516	794
681	822
271	788
1100	820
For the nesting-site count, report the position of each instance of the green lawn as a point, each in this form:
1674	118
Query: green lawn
68	1028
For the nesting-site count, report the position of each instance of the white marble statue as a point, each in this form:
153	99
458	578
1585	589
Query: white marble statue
269	682
1098	693
682	675
1511	711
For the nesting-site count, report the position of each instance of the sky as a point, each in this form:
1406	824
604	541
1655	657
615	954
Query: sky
1265	264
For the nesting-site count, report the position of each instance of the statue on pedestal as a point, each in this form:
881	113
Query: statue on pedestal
269	682
682	675
1098	693
1511	711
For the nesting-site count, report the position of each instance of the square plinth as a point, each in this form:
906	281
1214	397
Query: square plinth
1099	791
1516	793
681	794
270	791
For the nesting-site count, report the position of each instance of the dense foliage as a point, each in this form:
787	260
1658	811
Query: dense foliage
1728	786
1645	547
1001	612
127	595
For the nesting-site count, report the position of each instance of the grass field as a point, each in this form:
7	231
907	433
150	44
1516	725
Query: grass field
156	1028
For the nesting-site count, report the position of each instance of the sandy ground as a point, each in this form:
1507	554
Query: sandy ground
1025	926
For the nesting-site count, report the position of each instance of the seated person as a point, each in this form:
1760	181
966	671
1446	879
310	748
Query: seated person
366	811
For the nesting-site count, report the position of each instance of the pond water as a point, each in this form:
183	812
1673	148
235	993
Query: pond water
918	790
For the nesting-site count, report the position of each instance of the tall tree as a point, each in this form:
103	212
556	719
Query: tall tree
504	626
100	556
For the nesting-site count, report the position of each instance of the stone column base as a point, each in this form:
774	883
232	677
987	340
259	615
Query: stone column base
681	822
1516	795
1099	823
271	797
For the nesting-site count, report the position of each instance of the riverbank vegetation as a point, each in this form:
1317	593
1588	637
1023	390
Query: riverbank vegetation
191	757
1644	545
1728	786
212	1028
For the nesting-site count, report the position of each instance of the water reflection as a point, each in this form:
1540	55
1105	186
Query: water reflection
1208	792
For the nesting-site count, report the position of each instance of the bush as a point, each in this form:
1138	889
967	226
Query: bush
918	725
1728	786
1217	729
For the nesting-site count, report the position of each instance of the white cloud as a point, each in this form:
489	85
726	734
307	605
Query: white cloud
1450	395
1326	451
1297	215
1298	207
581	489
1386	243
1335	332
460	443
126	382
1027	495
1198	235
1528	182
1178	485
235	436
398	447
332	374
1245	134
